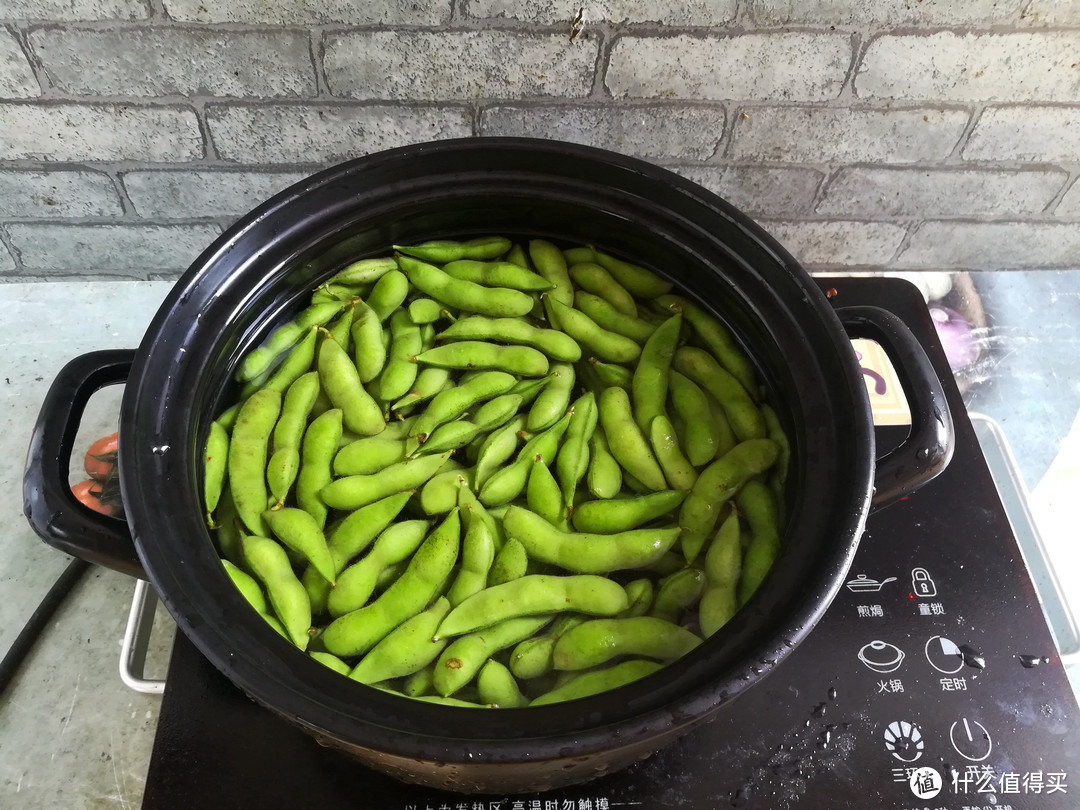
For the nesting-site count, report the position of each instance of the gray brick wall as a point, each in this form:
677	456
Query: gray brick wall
864	134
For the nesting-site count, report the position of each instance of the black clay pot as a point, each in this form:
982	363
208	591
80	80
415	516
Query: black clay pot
264	268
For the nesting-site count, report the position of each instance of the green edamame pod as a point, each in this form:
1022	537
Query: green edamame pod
477	555
270	564
498	687
356	532
522	360
555	344
516	255
717	484
589	335
573	460
608	317
775	431
369	342
506	484
678	592
587	553
552	402
510	563
442	251
452	403
543	496
248	587
626	441
297	362
723	567
496	274
420	683
757	504
450	436
717	339
640	594
691	406
440	494
532	595
467	500
597	641
388	294
497	412
248	455
260	360
316	455
577	255
341	382
725	436
604	476
339	328
364	271
531	658
429	382
498	447
622	514
354	491
331	661
215	465
550	263
327	292
529	390
639	281
702	368
679	472
600	680
425	310
229	530
368	455
358	631
595	279
612	374
399	374
284	464
498	302
650	382
299	531
464	657
405	649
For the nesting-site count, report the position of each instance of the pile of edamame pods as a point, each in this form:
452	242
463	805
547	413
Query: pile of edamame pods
488	473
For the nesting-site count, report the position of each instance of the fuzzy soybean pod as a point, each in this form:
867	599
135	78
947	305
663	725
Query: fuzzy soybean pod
600	680
453	402
405	649
298	530
610	318
649	387
597	641
357	632
497	448
757	504
369	342
270	565
552	403
450	436
702	368
543	496
524	361
533	595
573	460
284	463
364	271
516	255
331	661
551	264
723	566
506	484
296	363
440	494
442	251
640	593
691	406
717	339
595	279
354	491
388	294
555	344
215	466
260	360
622	514
599	342
249	588
528	389
587	553
496	274
612	374
477	555
429	382
775	431
531	658
425	310
462	659
626	441
368	455
357	582
604	476
679	472
341	382
725	436
510	563
716	485
639	281
496	412
399	374
248	455
677	593
498	687
498	302
339	328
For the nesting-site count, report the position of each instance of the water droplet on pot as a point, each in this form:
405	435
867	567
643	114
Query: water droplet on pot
923	453
832	693
1029	661
819	710
160	449
972	657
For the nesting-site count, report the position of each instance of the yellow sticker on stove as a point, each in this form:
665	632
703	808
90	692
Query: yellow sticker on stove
887	400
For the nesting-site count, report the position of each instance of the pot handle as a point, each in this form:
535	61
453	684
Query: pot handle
930	444
48	503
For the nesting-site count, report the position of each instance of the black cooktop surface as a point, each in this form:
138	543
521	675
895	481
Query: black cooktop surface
931	683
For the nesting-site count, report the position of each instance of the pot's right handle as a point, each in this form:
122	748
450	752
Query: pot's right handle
929	446
49	505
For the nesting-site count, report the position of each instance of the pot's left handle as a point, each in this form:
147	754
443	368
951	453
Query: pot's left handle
49	505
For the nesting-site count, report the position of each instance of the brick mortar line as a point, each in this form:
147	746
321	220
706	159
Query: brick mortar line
10	248
905	241
36	67
1070	181
457	13
126	205
847	86
976	114
599	92
722	154
157	10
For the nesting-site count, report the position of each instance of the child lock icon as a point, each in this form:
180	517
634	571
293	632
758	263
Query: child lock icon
921	582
